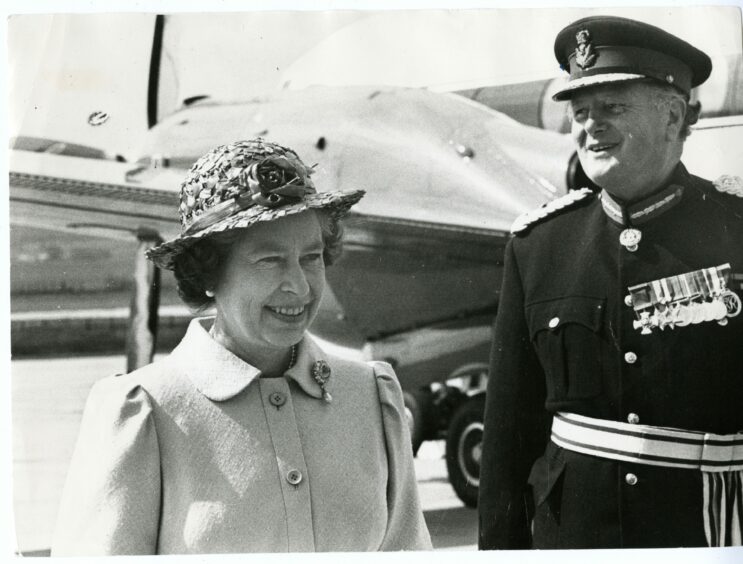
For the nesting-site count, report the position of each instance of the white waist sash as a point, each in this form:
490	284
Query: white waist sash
719	457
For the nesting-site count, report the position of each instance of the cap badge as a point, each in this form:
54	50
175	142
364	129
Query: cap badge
585	56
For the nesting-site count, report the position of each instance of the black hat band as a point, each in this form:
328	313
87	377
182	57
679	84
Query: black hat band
635	60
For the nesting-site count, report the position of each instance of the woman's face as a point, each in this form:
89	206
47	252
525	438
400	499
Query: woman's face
270	287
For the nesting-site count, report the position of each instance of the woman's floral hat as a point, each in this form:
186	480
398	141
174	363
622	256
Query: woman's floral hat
234	186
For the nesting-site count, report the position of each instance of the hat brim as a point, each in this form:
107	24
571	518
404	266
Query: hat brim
336	203
569	88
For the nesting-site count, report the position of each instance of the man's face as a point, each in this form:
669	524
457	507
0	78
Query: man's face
624	140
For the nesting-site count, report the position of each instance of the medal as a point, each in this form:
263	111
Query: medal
709	311
683	315
732	303
684	299
719	310
644	323
630	239
697	313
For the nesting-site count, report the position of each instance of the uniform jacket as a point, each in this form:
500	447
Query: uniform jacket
564	341
198	454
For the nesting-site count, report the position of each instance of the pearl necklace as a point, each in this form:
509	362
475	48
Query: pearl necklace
293	359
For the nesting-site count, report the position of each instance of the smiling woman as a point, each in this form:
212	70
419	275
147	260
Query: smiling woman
247	437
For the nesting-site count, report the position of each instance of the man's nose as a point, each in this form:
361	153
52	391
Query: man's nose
594	123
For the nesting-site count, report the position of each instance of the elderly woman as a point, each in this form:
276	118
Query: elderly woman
248	437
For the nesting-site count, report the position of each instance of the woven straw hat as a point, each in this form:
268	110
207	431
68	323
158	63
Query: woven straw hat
234	186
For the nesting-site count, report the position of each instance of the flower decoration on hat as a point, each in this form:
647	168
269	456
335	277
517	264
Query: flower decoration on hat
274	181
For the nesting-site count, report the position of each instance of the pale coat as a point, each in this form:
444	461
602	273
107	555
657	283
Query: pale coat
190	455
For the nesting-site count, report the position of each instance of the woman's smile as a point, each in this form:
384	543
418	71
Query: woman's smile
293	314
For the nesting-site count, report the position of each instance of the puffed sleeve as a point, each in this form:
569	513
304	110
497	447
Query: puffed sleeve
111	500
515	425
406	528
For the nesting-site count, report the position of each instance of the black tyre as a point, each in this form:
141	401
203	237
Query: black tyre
417	404
464	449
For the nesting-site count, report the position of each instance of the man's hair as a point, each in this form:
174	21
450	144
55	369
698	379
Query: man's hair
664	94
198	267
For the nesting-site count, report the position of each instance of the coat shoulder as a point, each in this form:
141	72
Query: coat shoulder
728	190
551	209
725	194
153	380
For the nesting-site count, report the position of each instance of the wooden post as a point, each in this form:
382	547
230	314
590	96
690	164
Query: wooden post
141	336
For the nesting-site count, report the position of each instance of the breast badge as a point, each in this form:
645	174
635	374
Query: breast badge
685	299
630	239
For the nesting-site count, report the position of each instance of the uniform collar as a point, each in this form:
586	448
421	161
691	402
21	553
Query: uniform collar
221	375
649	208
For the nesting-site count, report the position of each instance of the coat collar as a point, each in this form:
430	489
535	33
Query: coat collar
649	208
220	375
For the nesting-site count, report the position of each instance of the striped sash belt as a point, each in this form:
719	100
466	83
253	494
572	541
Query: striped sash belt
719	457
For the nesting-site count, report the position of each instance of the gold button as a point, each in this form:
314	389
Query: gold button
294	477
628	300
631	479
277	399
630	357
633	418
554	322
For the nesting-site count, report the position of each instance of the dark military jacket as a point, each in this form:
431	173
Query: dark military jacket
564	340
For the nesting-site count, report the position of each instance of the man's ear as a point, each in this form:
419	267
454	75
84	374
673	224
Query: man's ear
677	109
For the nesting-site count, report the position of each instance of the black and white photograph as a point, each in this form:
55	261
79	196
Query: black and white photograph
444	281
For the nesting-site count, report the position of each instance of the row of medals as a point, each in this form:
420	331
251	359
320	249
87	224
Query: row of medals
690	298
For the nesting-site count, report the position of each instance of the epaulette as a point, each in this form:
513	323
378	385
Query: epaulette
526	220
729	184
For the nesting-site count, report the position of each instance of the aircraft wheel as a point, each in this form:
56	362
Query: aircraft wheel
415	412
464	449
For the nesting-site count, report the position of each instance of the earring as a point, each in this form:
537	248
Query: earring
209	293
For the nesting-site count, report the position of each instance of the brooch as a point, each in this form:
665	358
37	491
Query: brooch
321	373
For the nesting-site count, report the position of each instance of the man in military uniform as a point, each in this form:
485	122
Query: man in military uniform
614	414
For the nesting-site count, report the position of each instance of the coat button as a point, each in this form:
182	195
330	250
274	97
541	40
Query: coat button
554	322
277	399
633	418
628	300
631	479
630	357
294	477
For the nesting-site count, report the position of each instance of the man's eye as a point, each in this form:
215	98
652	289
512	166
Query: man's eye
579	114
615	108
313	258
267	261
